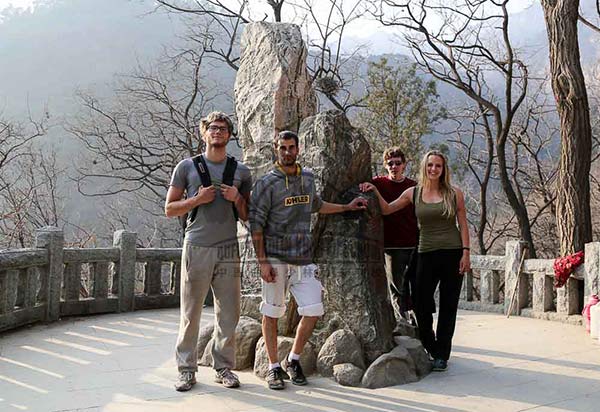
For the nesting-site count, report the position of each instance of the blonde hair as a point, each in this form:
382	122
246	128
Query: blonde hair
446	189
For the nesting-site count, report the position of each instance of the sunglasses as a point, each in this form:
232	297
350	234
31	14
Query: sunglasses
395	163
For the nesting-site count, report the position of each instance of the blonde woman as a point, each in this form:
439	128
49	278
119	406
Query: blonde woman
444	253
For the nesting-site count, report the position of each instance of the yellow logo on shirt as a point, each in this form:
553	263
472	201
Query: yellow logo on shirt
297	200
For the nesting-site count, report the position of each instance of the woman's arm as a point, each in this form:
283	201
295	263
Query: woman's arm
388	208
461	215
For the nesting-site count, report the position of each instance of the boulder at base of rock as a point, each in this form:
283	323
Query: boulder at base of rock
342	346
393	368
417	352
308	358
247	333
347	374
250	306
204	336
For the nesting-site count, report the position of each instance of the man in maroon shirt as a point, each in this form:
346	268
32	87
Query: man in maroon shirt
400	232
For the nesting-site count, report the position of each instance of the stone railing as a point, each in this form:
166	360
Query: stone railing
502	284
49	281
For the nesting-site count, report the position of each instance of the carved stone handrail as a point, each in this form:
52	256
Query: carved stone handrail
49	281
497	280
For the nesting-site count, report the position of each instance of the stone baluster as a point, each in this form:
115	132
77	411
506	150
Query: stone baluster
514	252
125	272
52	239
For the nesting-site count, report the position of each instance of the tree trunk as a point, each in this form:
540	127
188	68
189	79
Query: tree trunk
573	217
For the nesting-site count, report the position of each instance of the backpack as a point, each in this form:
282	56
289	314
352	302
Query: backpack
202	169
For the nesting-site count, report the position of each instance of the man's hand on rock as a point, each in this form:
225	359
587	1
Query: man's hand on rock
358	203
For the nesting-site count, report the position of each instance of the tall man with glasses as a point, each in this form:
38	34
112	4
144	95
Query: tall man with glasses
210	256
400	233
282	203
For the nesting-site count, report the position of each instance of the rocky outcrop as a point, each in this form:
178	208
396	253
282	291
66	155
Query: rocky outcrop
347	374
308	358
394	368
273	89
348	247
341	347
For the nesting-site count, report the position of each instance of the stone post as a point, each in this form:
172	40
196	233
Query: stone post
514	252
542	292
51	239
489	286
592	271
567	298
125	272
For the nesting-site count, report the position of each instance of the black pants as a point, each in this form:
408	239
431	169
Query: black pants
401	275
433	268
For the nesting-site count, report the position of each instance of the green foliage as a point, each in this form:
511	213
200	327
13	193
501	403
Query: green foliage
400	109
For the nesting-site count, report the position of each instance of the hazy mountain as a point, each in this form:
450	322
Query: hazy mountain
61	45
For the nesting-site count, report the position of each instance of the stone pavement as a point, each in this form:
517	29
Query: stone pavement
124	362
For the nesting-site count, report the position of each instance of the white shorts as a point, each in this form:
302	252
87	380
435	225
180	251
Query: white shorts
301	282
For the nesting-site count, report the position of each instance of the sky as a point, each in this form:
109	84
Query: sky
361	30
16	3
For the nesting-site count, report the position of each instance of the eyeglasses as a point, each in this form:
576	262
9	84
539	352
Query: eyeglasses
395	163
214	129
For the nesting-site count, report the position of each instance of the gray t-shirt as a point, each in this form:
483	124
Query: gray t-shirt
215	223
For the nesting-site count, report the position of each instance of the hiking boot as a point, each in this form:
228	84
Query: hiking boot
295	372
440	365
227	378
275	378
185	381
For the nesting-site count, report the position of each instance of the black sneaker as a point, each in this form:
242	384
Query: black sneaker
440	365
295	371
275	378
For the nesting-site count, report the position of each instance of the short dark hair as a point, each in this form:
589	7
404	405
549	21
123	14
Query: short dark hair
215	116
394	151
286	135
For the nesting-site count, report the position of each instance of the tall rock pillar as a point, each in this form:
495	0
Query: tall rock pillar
348	248
273	90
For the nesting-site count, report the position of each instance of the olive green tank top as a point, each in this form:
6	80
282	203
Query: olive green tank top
436	230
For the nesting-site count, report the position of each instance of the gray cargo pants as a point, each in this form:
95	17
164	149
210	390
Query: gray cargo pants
201	268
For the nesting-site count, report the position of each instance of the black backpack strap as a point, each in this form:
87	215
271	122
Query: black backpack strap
228	175
229	171
202	170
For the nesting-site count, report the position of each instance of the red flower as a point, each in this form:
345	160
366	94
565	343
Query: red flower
565	266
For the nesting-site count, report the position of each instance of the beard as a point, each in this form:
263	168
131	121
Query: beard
287	160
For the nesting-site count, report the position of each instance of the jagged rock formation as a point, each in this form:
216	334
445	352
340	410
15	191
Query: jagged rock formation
273	89
348	247
273	92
